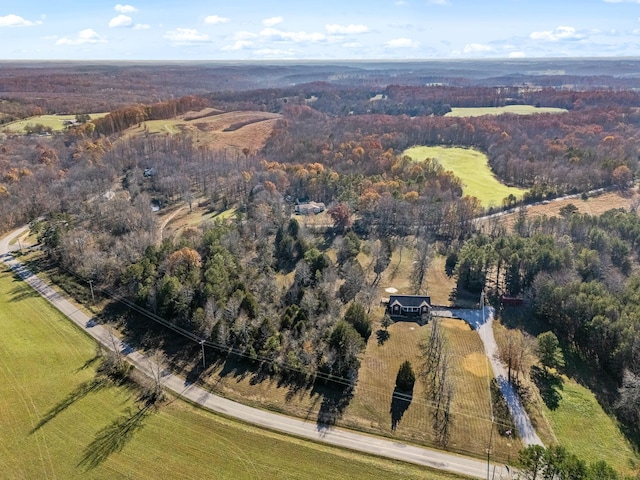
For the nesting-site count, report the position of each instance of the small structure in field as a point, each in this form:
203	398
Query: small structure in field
309	208
403	307
510	301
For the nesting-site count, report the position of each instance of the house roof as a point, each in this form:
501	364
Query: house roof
410	300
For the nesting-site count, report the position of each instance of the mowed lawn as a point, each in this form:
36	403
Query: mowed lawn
581	425
57	422
514	109
56	122
472	167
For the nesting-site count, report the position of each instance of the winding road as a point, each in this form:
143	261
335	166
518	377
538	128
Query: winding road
288	425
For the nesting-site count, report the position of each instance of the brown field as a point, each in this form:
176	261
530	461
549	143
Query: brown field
247	129
596	205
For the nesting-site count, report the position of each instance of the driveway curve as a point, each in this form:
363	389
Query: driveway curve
292	426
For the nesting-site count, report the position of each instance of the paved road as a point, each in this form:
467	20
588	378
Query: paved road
482	320
288	425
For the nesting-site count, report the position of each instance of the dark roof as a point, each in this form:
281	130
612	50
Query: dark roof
410	300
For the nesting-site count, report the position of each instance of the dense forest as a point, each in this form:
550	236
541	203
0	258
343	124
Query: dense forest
340	143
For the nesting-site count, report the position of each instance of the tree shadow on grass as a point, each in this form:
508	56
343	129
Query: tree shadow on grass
382	336
549	385
113	437
80	392
334	402
400	402
22	291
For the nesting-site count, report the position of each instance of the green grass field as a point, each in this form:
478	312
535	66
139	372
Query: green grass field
514	109
581	425
56	122
57	422
472	167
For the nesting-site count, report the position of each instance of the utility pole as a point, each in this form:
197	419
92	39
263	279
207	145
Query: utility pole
204	362
489	449
93	300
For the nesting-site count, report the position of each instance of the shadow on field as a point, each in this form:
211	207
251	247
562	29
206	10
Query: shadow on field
400	402
113	437
334	402
80	392
22	291
549	384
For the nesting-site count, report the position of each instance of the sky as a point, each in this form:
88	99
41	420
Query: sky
205	30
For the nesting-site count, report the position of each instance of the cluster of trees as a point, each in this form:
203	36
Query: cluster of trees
555	462
580	274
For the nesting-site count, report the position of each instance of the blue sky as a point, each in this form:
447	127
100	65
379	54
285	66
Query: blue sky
327	29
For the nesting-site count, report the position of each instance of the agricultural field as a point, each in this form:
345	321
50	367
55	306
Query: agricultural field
472	167
60	421
599	435
595	205
232	130
512	109
55	122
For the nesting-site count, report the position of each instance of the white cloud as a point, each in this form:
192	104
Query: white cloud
352	45
476	48
142	26
276	34
270	22
125	8
238	45
186	36
560	33
215	19
401	43
517	55
400	3
350	29
85	36
16	21
440	2
120	21
244	35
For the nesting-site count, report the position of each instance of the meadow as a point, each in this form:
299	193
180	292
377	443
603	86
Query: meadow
472	167
513	109
59	420
55	122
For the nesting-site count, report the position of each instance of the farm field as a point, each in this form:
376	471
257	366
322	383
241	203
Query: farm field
595	205
56	122
581	425
472	167
231	130
58	421
513	109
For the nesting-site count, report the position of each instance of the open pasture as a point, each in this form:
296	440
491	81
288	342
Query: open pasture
472	167
55	122
513	109
221	131
60	421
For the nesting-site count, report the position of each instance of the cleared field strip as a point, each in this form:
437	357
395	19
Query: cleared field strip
513	109
472	167
56	122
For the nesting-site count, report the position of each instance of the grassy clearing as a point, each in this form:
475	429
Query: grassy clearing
57	424
581	425
596	205
472	167
56	122
513	109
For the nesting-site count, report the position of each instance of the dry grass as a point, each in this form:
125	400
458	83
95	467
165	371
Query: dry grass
440	286
596	205
249	129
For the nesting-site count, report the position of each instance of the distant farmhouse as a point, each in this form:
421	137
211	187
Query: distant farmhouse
309	208
403	307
